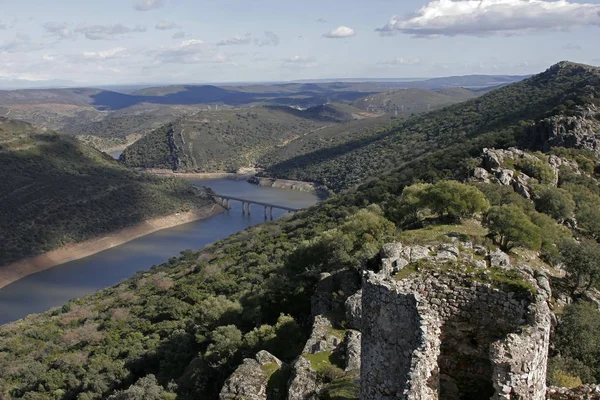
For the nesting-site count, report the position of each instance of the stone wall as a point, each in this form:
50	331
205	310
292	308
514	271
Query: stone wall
445	335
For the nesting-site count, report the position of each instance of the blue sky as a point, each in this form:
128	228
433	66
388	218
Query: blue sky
168	41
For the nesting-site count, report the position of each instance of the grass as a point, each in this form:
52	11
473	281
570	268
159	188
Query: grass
278	378
343	389
320	360
468	230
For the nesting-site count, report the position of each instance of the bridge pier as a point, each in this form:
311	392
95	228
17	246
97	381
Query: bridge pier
249	204
243	208
271	213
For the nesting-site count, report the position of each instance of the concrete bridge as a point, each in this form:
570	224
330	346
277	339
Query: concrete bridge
247	205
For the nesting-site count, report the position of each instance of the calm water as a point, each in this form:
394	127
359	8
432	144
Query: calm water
54	287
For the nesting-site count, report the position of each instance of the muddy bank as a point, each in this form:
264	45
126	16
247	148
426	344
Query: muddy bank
15	271
300	186
202	175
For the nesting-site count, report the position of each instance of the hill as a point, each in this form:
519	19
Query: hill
505	112
404	102
226	140
60	191
275	309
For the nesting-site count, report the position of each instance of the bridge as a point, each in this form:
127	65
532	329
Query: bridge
247	205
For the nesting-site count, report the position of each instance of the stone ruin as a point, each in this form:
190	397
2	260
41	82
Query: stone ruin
444	335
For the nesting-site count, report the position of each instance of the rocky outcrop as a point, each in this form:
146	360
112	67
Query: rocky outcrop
354	311
580	129
251	379
332	291
352	342
585	392
303	383
450	335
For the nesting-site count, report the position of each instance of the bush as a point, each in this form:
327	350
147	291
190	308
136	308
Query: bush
454	199
582	261
536	169
512	227
330	373
561	378
557	203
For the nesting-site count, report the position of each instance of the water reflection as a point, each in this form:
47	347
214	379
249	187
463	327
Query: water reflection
53	287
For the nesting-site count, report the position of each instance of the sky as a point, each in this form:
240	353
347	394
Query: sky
197	41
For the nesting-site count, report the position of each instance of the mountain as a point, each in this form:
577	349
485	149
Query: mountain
61	191
227	140
276	310
504	112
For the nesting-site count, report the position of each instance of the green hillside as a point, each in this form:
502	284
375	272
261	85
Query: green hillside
191	321
505	111
229	139
61	191
404	102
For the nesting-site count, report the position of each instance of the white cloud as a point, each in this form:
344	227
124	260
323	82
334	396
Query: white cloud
493	17
110	54
2	25
166	25
60	30
340	32
270	39
400	61
147	5
107	32
21	43
193	51
236	40
178	35
300	61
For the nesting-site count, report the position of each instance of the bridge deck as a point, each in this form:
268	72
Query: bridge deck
258	203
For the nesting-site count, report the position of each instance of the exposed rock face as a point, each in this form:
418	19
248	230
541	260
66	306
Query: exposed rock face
579	130
303	382
353	350
250	380
344	283
449	336
354	311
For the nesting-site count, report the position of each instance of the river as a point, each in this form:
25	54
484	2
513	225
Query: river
47	289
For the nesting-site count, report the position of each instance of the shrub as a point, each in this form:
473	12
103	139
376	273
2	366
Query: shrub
454	199
330	373
536	169
562	378
582	261
557	203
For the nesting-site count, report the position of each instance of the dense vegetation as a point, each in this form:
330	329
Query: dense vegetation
510	109
61	191
181	328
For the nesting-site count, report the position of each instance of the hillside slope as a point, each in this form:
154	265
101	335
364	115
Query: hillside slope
59	191
508	109
227	140
182	328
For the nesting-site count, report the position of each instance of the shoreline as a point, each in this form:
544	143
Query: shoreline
19	269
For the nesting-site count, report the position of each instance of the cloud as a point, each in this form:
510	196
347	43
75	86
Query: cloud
193	51
147	5
236	40
21	43
165	26
300	61
178	35
2	25
60	30
400	61
110	54
340	32
572	46
107	32
493	17
270	39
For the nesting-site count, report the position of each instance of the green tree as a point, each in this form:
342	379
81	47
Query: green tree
454	199
512	227
146	388
582	261
537	169
410	203
226	342
557	203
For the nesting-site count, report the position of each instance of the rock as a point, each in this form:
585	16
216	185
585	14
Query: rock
446	255
481	175
354	311
303	384
505	176
491	160
321	338
521	185
353	350
584	392
249	381
499	259
480	250
418	252
346	282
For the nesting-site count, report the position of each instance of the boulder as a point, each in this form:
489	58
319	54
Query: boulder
491	159
250	380
499	259
481	175
303	384
353	350
505	176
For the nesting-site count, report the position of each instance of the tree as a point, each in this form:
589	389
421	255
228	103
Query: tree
411	201
557	203
454	199
226	341
582	261
512	227
146	388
